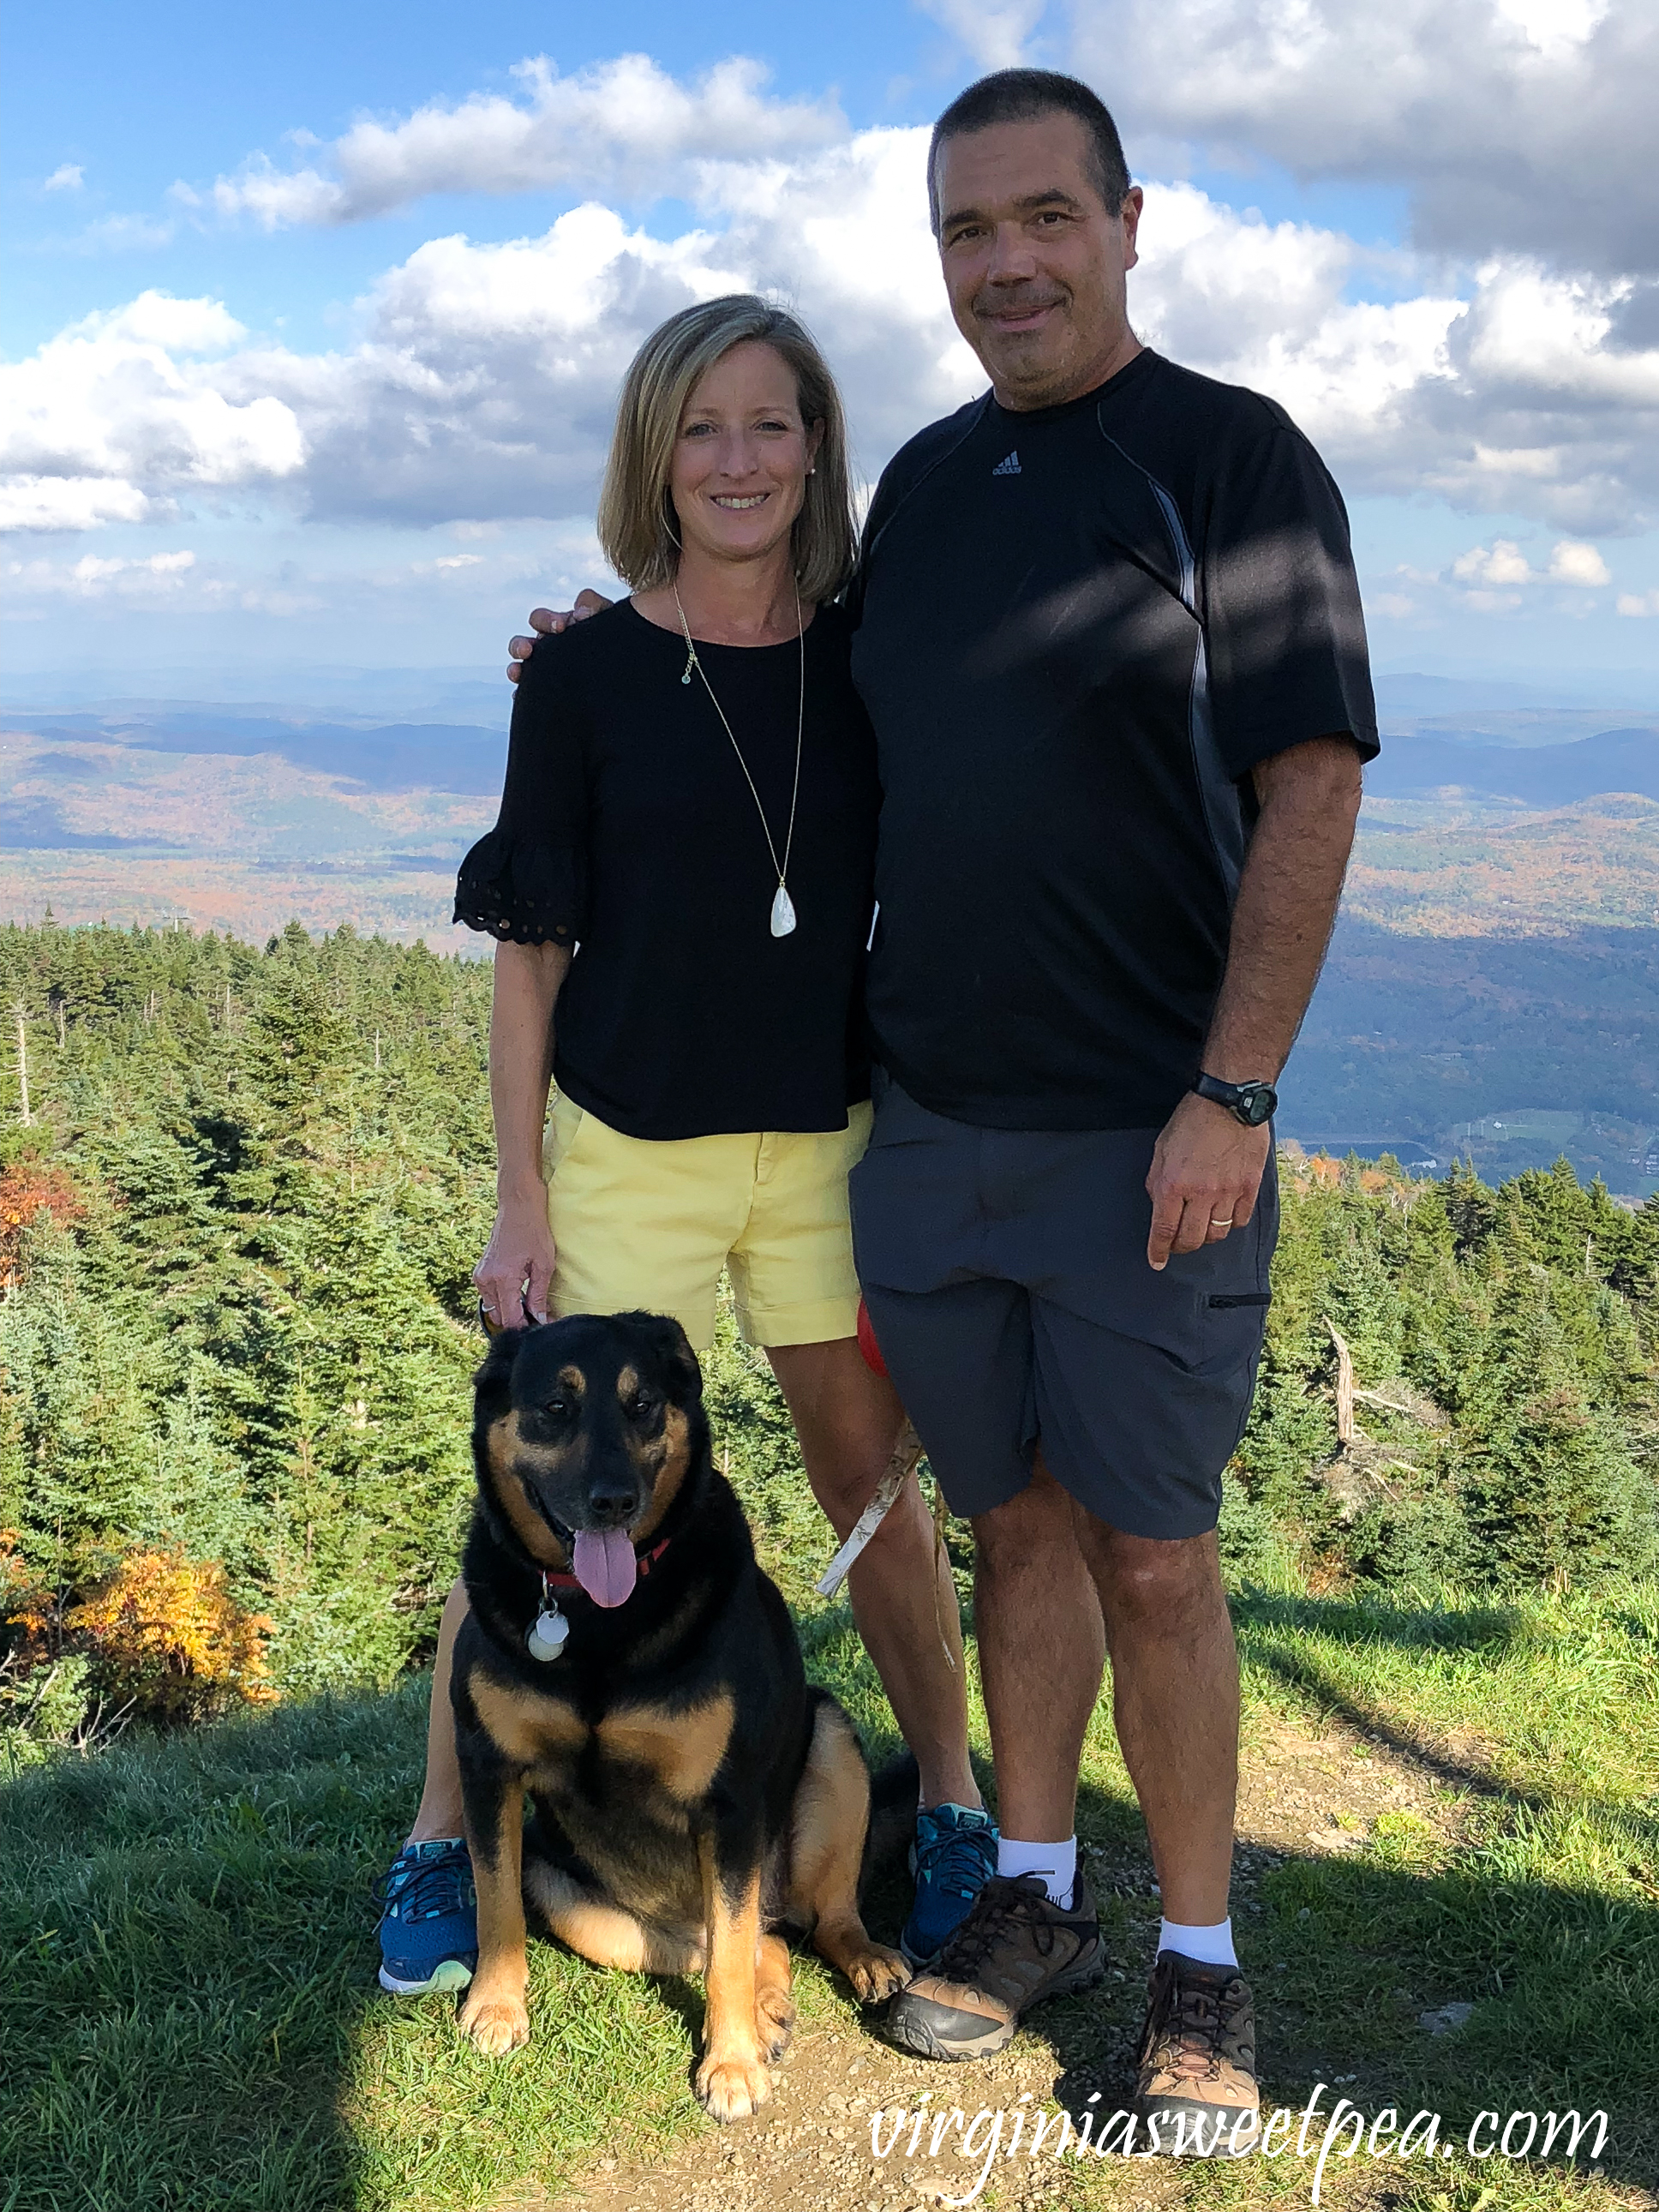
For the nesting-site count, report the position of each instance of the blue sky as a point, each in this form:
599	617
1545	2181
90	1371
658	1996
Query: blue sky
352	407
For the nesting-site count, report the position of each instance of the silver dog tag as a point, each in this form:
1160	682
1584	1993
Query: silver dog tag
548	1633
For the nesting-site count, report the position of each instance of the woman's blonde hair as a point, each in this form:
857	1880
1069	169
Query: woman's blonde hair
636	514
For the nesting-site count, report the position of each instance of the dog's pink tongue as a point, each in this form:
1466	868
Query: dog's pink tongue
605	1564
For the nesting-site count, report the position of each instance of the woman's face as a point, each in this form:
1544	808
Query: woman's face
741	457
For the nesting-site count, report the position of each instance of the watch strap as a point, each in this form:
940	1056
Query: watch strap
1242	1100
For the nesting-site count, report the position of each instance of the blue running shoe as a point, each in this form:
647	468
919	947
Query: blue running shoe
954	1855
429	1925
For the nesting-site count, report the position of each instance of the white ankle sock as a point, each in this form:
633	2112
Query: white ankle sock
1211	1947
1056	1863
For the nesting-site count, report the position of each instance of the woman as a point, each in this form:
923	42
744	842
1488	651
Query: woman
681	868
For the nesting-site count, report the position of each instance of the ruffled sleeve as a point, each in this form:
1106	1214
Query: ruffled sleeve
523	888
526	881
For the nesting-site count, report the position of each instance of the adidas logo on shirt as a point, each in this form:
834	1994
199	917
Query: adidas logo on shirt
1007	468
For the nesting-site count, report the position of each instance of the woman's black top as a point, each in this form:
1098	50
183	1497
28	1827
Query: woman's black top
627	829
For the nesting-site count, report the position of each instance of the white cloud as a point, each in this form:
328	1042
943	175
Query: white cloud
1506	394
124	234
1638	603
1263	304
120	411
995	36
627	125
480	380
1524	126
1501	563
1553	26
33	502
485	379
1500	577
155	576
67	177
1572	562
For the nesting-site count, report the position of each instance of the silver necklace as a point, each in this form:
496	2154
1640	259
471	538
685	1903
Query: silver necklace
783	907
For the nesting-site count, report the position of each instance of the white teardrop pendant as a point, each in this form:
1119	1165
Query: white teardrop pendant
783	913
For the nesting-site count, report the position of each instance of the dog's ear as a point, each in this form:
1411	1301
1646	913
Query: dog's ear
671	1348
492	1377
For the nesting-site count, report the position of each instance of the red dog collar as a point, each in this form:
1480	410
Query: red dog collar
644	1561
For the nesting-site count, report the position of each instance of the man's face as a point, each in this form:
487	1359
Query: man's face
1034	263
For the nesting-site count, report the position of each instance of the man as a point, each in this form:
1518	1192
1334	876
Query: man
1111	643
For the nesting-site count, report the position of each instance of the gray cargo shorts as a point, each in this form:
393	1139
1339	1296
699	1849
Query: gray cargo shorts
1006	1274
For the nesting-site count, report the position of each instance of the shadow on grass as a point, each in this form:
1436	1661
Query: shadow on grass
1490	1629
189	2016
1489	1634
184	1929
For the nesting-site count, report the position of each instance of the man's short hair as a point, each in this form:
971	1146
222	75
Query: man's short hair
1021	95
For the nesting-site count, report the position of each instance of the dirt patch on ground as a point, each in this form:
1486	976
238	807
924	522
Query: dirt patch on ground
1329	1789
811	2150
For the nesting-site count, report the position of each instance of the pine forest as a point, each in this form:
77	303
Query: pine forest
242	1192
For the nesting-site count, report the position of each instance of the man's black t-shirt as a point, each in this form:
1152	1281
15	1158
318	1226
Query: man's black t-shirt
1079	629
627	824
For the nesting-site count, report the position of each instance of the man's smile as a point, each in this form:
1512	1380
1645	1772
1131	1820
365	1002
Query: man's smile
1024	315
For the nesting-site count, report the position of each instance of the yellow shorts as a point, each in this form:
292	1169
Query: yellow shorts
639	1222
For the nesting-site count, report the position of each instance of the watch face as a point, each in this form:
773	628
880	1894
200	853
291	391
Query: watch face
1260	1104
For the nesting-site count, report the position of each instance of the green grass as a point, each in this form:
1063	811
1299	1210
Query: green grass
188	2018
1540	1721
1531	1892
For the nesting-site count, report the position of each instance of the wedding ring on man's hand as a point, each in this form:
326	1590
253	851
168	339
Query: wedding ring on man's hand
1227	1223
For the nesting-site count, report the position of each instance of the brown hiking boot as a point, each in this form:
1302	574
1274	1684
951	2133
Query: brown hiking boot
1196	2077
1015	1948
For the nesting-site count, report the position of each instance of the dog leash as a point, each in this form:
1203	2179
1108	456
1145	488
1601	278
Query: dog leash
907	1453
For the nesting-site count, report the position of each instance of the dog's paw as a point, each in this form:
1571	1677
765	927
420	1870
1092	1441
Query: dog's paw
774	2017
876	1973
496	2025
732	2088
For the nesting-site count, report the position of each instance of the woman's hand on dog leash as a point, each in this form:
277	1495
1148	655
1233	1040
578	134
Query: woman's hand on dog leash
516	1272
548	622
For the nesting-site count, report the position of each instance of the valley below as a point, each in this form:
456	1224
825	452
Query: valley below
1492	990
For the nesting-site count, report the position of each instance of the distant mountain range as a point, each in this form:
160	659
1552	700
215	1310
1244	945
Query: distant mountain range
1410	694
1492	973
1535	755
1419	767
458	757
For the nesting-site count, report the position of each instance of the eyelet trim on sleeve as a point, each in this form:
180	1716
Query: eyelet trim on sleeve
525	893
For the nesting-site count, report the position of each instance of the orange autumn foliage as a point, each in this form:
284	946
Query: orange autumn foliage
1324	1170
27	1609
27	1191
171	1637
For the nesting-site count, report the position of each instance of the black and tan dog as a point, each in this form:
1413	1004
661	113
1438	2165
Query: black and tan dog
627	1664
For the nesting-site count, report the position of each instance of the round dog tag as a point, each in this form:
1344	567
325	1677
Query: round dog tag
548	1632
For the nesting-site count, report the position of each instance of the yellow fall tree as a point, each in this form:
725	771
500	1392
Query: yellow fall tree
170	1635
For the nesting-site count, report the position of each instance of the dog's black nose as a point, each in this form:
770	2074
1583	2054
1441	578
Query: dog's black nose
612	1504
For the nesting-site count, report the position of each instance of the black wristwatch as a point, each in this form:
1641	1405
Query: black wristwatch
1252	1103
